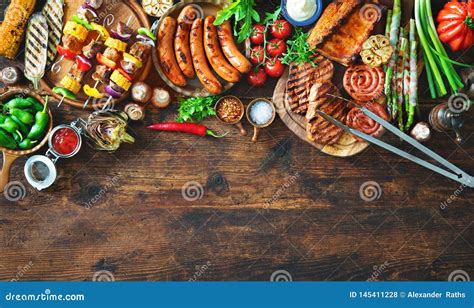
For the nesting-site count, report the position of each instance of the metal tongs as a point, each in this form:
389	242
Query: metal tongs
457	174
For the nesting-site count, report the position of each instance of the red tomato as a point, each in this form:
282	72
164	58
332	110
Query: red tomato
257	78
276	48
257	55
281	29
258	34
274	68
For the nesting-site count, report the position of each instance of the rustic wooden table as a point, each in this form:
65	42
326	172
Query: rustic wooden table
177	207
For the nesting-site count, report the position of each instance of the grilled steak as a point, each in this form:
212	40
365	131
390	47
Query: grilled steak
332	17
319	130
346	42
302	78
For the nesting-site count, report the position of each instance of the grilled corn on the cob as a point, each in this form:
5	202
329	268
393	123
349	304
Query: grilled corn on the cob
71	84
120	80
116	44
76	30
13	26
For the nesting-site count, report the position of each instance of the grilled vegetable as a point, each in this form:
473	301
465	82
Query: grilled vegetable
53	11
76	30
71	84
376	51
116	44
156	8
13	26
107	129
36	50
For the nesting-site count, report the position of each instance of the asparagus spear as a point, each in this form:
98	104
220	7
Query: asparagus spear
413	100
402	53
387	30
395	25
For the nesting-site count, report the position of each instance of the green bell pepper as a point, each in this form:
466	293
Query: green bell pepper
41	121
23	116
27	144
6	140
21	126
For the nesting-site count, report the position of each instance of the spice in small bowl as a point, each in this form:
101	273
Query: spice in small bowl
260	113
230	110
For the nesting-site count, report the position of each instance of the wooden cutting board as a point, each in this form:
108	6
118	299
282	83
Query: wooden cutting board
347	146
111	12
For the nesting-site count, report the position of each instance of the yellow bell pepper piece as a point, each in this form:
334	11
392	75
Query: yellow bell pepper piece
92	92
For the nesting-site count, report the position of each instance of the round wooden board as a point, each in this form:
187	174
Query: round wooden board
121	11
347	146
194	86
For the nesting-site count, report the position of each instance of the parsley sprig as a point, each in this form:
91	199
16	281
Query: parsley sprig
243	12
298	49
196	108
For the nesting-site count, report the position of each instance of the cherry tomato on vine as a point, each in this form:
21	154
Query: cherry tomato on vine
257	78
276	48
257	55
281	29
274	68
258	34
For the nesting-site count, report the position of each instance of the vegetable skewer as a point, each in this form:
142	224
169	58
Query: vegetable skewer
109	59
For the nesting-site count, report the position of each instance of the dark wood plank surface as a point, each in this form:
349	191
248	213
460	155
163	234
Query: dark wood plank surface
276	205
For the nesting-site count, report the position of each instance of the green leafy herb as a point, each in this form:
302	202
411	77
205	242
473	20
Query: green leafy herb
299	51
270	18
243	12
196	108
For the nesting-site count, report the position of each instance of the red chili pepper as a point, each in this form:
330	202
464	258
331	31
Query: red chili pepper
190	128
125	74
67	53
104	61
83	64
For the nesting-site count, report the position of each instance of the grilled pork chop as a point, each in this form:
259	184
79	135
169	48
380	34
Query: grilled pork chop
319	130
332	17
302	78
346	42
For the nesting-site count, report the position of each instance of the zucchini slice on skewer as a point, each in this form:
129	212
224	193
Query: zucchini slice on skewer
53	11
36	49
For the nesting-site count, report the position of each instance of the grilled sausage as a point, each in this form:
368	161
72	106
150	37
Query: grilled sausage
181	40
165	52
214	53
230	49
203	71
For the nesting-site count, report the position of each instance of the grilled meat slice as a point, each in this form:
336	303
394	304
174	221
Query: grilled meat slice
346	42
319	130
302	78
92	49
332	17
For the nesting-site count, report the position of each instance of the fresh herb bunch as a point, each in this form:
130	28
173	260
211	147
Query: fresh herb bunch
299	51
196	108
242	11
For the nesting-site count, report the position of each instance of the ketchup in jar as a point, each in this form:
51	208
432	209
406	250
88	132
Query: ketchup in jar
65	141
